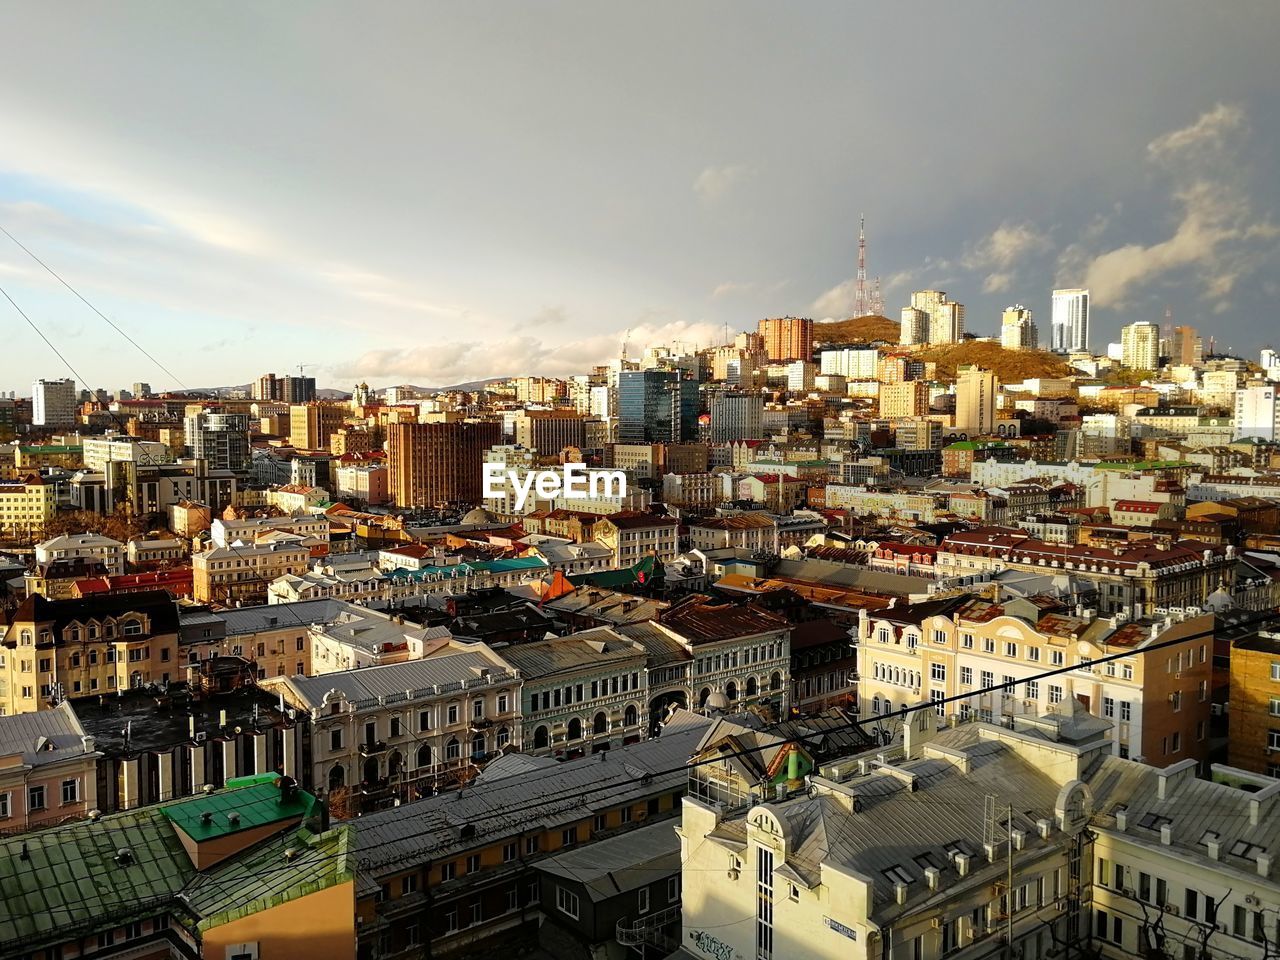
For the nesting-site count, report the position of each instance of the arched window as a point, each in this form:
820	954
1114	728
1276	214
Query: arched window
775	681
371	770
504	737
731	691
575	729
600	724
337	776
394	763
452	749
541	738
477	747
875	703
752	688
702	697
630	716
424	755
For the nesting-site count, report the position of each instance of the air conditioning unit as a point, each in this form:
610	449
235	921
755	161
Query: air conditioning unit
201	736
1172	910
1216	709
1251	901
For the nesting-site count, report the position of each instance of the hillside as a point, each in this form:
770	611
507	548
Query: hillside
858	330
1011	366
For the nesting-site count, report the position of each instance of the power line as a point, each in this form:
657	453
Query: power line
82	299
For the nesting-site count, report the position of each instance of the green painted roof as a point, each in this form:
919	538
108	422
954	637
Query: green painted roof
256	882
52	448
253	801
963	445
69	881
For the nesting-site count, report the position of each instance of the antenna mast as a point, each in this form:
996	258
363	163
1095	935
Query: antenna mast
861	296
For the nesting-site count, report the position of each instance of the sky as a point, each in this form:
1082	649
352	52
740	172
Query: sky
433	193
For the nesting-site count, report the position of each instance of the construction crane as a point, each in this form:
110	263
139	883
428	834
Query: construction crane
626	335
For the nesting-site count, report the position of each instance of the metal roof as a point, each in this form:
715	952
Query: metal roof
46	736
394	680
617	865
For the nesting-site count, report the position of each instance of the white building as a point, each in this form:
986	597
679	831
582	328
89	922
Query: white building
87	546
1257	412
53	404
1070	320
856	363
1140	345
1018	329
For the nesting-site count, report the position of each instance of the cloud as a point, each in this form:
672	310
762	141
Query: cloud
441	364
1217	239
1000	253
714	183
549	317
745	288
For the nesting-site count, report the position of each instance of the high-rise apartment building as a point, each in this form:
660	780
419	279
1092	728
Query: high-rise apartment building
787	338
736	416
1186	347
312	424
914	327
437	463
855	363
1018	329
547	432
1070	320
656	406
53	404
946	317
1257	412
976	400
286	389
1140	346
220	439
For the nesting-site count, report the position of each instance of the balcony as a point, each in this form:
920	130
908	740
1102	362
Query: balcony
652	930
372	749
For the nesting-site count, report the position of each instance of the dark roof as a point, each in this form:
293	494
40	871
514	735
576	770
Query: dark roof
158	605
701	619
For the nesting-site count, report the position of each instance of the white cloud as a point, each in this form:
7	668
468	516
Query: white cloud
1217	239
441	364
999	254
714	183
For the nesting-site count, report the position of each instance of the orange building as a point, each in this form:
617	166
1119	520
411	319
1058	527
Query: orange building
787	338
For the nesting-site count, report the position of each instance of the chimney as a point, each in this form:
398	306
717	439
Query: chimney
962	864
900	893
1264	865
1043	827
1214	846
1166	834
1122	818
931	876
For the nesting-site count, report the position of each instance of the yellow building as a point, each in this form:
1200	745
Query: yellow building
85	647
228	575
1254	743
26	507
312	424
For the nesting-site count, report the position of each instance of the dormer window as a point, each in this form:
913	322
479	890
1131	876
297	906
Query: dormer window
25	637
132	628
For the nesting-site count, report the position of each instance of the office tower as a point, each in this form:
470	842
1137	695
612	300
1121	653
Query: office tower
297	389
736	416
976	400
1140	346
53	404
1186	347
312	424
914	327
909	398
787	338
547	432
141	390
220	439
1257	412
264	388
432	464
656	406
1070	320
1018	329
946	317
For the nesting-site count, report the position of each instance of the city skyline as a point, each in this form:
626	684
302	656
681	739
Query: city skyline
580	193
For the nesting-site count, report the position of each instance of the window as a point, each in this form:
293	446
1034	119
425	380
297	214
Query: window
477	709
1033	690
1126	671
624	815
1175	699
1056	658
448	871
939	636
473	862
530	846
335	738
642	900
599	823
1275	669
6	806
1033	654
567	902
1275	706
568	837
503	703
1126	710
938	671
1055	693
453	713
424	720
966	676
1010	649
395	726
966	641
70	791
988	679
673	889
35	798
408	884
1108	706
988	645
